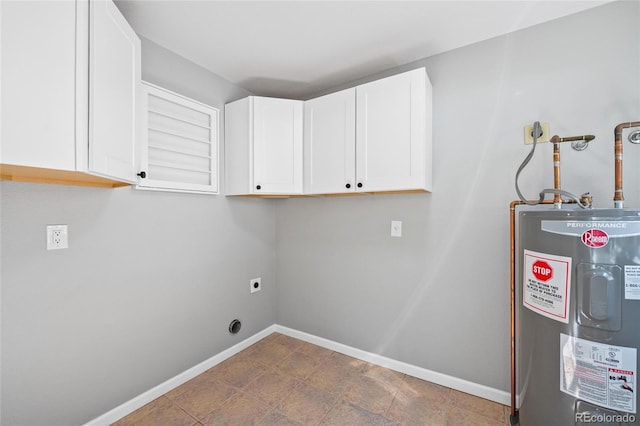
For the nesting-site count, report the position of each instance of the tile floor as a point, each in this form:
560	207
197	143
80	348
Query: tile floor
284	381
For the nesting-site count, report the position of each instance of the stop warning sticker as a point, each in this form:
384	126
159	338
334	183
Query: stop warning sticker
546	284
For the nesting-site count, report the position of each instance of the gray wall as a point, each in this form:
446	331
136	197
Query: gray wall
438	297
145	291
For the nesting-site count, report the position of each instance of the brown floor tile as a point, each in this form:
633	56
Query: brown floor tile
335	374
417	411
314	351
370	394
200	401
162	411
478	405
206	379
271	387
240	409
456	417
289	342
270	337
130	419
413	387
298	365
344	413
307	404
269	353
383	375
337	358
276	418
239	371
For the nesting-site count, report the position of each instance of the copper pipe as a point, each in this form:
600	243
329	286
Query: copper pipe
557	199
618	197
512	236
558	139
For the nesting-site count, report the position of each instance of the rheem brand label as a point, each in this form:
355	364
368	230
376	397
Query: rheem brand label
595	238
545	285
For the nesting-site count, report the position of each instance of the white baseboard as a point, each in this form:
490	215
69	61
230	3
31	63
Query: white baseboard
139	401
466	386
462	385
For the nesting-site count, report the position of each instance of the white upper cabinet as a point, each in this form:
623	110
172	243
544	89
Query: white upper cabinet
393	133
38	84
330	143
114	77
70	73
373	138
263	146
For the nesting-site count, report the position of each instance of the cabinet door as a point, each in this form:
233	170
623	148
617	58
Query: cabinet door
391	139
179	147
114	75
330	143
38	84
277	146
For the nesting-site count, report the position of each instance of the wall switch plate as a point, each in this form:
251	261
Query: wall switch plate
528	134
57	237
396	228
256	285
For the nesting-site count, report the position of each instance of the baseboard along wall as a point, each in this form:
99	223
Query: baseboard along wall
139	401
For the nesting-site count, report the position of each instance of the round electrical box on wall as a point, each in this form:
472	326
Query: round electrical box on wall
234	326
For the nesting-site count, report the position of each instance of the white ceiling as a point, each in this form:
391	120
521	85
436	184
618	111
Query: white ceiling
297	48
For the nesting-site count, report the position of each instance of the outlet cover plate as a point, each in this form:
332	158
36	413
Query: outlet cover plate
255	285
396	228
57	237
528	134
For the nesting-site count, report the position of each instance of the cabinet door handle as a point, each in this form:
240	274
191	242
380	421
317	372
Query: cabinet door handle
348	185
142	174
258	187
359	184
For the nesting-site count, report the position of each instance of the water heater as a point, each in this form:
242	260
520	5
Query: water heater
578	298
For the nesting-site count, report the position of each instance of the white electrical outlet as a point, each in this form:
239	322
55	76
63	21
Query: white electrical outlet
528	134
255	285
396	228
57	237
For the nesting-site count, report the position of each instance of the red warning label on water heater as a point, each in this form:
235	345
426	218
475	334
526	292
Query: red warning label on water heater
595	238
546	283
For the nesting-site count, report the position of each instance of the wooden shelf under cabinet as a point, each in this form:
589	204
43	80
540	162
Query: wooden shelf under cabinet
62	177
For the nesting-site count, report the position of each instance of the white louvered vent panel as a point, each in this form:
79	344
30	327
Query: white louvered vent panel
181	143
